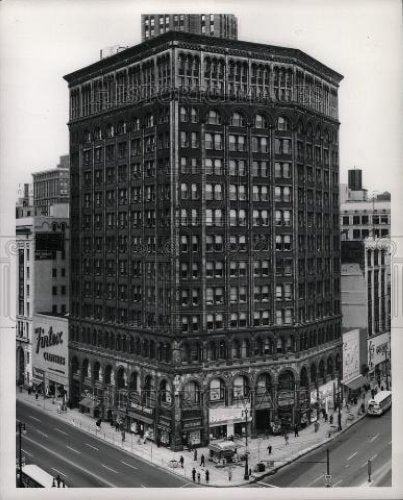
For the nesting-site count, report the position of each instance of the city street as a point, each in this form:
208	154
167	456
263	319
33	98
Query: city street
84	461
371	438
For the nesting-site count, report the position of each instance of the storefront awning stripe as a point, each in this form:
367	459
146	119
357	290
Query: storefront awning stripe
355	383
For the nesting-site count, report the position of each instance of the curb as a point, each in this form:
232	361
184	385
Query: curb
234	485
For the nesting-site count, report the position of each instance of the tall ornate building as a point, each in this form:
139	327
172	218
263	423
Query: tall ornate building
205	247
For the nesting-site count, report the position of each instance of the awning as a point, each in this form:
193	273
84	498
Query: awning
141	418
88	403
36	381
355	383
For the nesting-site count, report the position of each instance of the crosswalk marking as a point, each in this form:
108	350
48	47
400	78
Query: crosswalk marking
43	433
59	472
93	447
353	455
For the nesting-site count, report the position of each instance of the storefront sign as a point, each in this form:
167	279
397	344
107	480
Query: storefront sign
193	423
351	355
143	409
233	413
378	350
50	348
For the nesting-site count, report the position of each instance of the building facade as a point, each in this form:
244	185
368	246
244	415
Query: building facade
363	216
217	25
42	281
205	238
366	301
51	187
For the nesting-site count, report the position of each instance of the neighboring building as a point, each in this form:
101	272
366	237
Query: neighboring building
361	217
52	186
205	236
365	297
42	280
50	359
25	201
217	25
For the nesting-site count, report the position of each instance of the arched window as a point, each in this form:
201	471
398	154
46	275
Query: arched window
214	118
122	128
240	387
217	390
110	130
165	392
85	370
97	134
260	121
238	120
264	384
283	124
191	393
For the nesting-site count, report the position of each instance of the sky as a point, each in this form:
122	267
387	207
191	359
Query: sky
43	40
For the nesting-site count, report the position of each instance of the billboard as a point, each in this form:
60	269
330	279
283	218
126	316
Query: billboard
378	350
351	355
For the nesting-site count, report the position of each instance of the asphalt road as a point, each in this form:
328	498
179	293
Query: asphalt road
371	438
84	461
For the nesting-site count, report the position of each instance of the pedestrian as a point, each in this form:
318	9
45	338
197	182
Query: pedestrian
372	393
229	474
269	448
207	475
36	395
181	460
326	415
198	477
195	455
296	430
202	461
381	387
331	419
194	474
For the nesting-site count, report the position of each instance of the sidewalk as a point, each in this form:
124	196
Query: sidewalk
282	453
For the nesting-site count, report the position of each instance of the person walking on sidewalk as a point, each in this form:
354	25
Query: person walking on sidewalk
198	477
207	476
296	430
195	455
181	460
269	448
202	461
194	474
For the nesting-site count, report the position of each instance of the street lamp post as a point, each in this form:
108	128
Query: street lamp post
245	413
21	429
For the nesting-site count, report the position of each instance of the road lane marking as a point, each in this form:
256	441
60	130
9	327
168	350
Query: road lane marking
72	449
106	467
27	452
337	482
370	458
43	433
59	430
373	457
34	418
93	447
72	464
353	455
132	466
373	438
59	472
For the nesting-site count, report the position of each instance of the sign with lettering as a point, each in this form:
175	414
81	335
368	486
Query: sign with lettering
378	350
351	355
192	423
50	347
